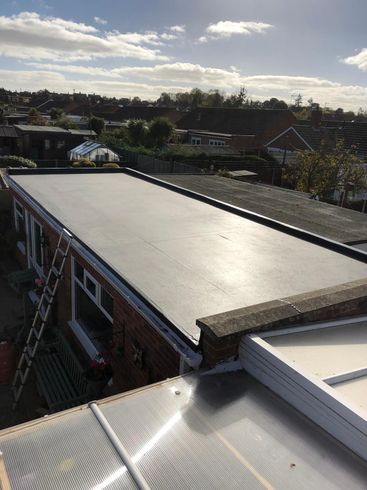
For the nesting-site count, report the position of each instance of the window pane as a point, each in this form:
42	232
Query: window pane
37	252
19	208
79	271
92	320
106	301
91	286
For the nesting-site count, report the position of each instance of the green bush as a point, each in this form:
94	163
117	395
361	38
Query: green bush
83	162
111	165
15	161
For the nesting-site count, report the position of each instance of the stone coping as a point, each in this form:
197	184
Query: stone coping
344	300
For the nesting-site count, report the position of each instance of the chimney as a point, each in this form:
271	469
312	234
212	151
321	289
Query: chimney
316	116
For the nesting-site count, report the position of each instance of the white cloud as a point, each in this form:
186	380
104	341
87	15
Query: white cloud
100	21
227	28
30	36
359	60
91	71
38	80
148	81
179	28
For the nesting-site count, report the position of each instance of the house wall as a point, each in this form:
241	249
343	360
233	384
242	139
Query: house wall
140	354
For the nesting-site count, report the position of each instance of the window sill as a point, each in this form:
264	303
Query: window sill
84	340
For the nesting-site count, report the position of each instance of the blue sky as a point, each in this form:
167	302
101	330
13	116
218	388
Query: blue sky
142	47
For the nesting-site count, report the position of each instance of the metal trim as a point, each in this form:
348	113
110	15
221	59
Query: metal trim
120	449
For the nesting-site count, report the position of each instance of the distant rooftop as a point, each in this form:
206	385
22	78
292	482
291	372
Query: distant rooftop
293	208
43	129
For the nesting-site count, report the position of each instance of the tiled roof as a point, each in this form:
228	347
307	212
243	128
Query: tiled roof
236	121
315	136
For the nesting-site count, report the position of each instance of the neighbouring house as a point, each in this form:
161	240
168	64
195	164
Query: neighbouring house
40	143
235	142
93	151
9	141
247	127
43	142
306	135
150	259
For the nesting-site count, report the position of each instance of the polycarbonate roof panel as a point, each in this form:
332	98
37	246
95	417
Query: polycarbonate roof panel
326	351
63	453
187	258
355	390
221	431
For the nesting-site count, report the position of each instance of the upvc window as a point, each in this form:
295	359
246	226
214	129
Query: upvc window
92	308
35	244
19	217
195	141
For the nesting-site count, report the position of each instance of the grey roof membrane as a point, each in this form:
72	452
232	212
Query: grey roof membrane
187	258
290	207
201	431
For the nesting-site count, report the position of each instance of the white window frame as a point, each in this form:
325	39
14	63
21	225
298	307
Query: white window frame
23	215
31	244
78	330
315	397
215	142
195	140
18	214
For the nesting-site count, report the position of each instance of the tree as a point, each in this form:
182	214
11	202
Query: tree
160	130
137	132
238	99
56	113
35	118
322	172
96	124
166	100
213	99
65	123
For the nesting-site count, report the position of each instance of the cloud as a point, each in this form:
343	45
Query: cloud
359	60
31	36
227	28
186	73
38	80
180	28
100	21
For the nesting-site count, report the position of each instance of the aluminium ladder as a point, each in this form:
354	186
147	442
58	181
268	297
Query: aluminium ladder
41	316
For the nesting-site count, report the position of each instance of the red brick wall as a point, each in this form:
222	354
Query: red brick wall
131	332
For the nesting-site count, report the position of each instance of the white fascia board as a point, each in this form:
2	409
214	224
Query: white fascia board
192	358
311	396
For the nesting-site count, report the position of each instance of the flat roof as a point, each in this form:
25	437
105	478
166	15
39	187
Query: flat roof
186	258
293	208
203	430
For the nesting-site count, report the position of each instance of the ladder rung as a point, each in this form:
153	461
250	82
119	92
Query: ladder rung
60	251
49	291
56	271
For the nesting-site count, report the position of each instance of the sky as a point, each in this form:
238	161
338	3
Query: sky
126	48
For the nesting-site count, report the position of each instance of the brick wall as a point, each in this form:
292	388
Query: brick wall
140	354
221	334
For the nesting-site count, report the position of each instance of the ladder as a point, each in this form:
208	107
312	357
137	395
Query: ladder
41	316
